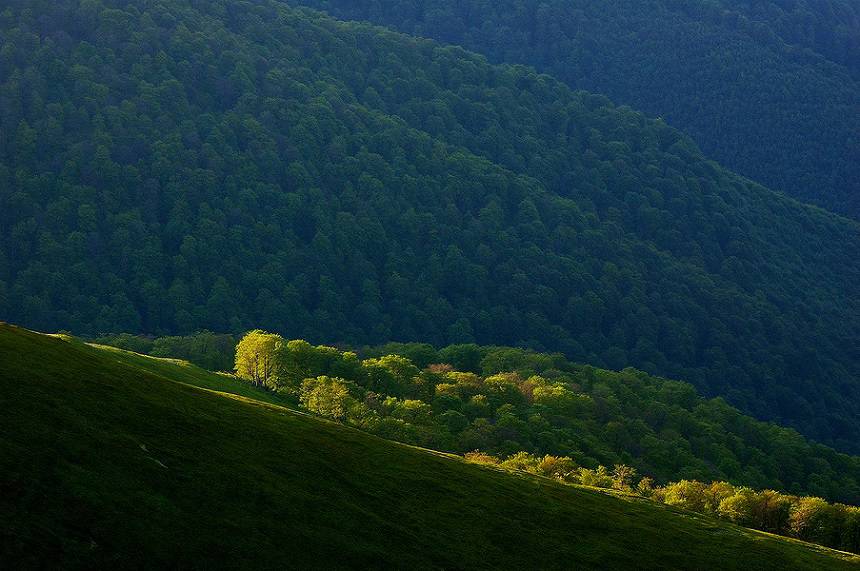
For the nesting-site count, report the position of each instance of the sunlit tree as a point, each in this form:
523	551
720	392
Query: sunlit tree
256	357
623	476
326	396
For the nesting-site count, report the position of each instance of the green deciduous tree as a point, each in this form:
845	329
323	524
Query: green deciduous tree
326	396
256	357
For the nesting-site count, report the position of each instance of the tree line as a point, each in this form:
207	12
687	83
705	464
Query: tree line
504	401
212	351
807	518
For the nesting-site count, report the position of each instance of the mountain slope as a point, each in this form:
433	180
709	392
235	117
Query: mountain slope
770	89
177	166
106	463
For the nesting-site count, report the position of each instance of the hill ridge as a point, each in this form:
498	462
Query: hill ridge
743	87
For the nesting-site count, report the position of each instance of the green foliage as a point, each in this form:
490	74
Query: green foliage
299	360
599	478
180	166
768	88
689	495
326	396
809	520
256	359
205	349
152	469
391	375
212	351
623	477
136	343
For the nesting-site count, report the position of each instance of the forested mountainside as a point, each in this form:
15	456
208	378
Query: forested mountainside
830	28
113	460
170	166
770	89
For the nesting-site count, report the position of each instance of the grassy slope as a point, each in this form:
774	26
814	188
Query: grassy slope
104	460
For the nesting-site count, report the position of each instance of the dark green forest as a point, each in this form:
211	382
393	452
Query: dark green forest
768	88
169	166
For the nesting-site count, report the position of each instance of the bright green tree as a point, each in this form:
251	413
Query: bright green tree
623	476
326	396
256	357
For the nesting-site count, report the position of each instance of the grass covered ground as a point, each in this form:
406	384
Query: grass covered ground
113	459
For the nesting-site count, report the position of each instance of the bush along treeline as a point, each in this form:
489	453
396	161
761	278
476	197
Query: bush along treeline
503	401
767	88
808	518
213	351
172	166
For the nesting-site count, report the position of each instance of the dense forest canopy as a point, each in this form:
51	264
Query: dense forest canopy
168	166
770	89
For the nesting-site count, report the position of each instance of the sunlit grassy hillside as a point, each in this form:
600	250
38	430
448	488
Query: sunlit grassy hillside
112	459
